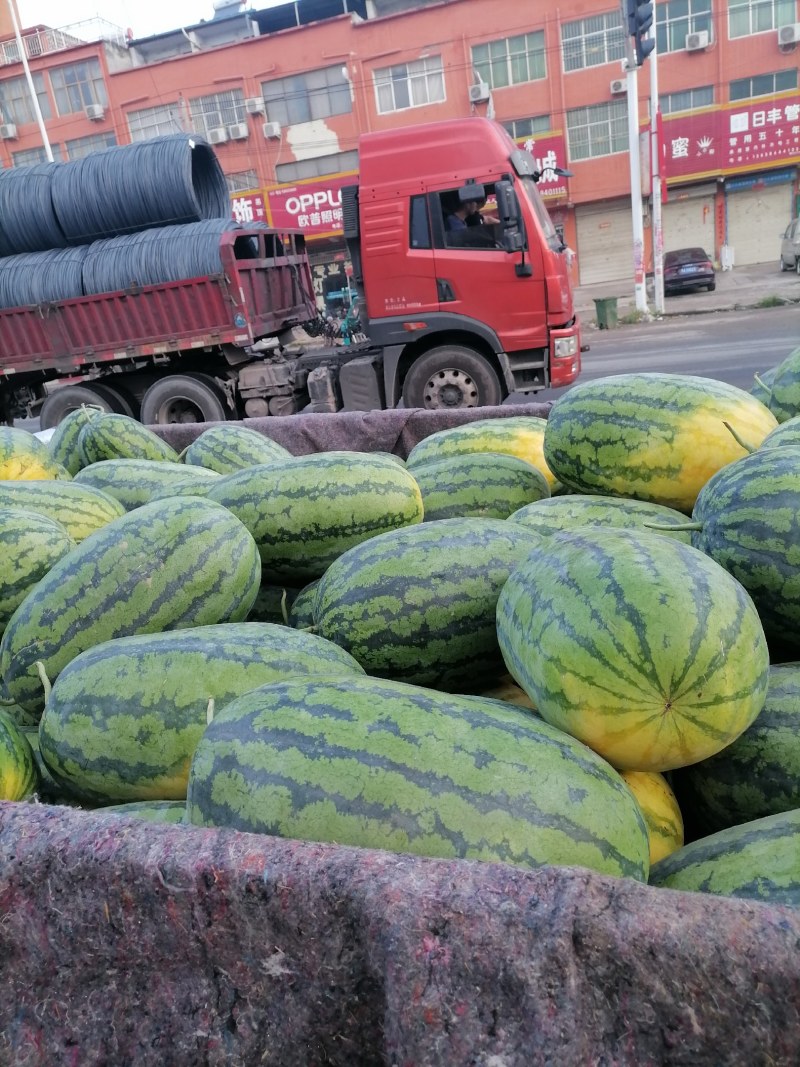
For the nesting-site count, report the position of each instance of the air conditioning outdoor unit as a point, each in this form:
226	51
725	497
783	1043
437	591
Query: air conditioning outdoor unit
479	94
8	132
95	112
789	34
618	85
254	105
698	42
272	130
239	131
219	135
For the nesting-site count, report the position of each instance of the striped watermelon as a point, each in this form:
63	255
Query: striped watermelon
518	435
63	443
81	509
748	522
656	437
306	511
134	482
788	433
230	448
17	766
562	513
30	544
758	860
47	788
659	807
163	811
25	457
418	604
166	566
506	689
757	775
124	718
784	397
380	764
301	613
482	484
112	436
639	645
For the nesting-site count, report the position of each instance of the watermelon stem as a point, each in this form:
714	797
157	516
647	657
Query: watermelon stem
210	711
284	610
673	527
44	679
7	701
766	388
748	448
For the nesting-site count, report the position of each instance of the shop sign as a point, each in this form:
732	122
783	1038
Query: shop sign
314	207
549	151
248	207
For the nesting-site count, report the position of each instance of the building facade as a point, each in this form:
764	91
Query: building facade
284	93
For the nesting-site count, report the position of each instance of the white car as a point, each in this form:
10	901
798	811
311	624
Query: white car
790	247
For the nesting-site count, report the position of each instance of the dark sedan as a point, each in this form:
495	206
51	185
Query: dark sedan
688	268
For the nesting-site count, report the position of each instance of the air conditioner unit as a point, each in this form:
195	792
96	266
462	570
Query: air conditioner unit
254	105
479	94
95	112
697	42
8	132
272	130
618	85
219	135
239	131
789	34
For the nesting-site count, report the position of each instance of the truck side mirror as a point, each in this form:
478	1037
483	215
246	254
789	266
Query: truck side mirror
509	215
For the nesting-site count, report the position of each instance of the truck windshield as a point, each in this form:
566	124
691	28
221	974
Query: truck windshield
540	211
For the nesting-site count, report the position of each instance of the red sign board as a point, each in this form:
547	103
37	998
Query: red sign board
249	207
740	137
315	207
549	151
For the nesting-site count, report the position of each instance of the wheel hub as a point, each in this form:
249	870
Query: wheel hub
451	388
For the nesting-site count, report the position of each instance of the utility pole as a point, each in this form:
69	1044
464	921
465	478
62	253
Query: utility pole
23	55
655	165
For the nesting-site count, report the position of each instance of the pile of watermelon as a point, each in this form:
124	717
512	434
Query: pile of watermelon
569	641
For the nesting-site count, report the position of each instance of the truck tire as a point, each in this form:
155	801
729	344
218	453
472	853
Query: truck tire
70	397
451	376
184	398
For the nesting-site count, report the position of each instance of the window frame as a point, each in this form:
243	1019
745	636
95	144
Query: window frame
691	22
693	106
614	44
539	124
404	76
297	94
617	116
81	92
317	166
93	142
214	110
485	67
146	131
18	108
751	8
752	94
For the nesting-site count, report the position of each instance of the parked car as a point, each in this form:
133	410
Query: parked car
790	247
688	268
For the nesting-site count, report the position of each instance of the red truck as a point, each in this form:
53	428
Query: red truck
448	317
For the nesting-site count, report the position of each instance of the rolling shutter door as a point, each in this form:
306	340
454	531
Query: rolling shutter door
756	218
688	222
605	242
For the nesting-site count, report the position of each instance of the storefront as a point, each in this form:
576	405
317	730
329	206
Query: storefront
758	209
688	218
605	241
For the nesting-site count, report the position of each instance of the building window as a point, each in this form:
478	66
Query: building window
218	109
677	18
758	16
242	181
593	41
154	122
15	100
599	130
519	128
688	100
763	84
77	86
27	157
317	167
410	85
511	61
83	146
304	97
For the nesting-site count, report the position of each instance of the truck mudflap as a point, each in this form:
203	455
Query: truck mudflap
565	355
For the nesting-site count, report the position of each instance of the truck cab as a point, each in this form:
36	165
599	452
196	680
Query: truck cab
465	314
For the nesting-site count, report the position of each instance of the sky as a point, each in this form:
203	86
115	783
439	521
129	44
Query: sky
144	17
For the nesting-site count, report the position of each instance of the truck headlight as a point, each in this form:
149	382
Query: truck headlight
565	347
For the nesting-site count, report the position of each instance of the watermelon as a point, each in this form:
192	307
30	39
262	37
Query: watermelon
304	512
483	484
163	811
656	437
418	604
747	520
112	436
166	566
506	689
17	765
225	449
517	435
762	385
301	613
788	433
758	860
660	809
25	457
639	645
47	788
134	482
30	544
63	443
561	513
124	718
380	764
759	773
784	397
80	509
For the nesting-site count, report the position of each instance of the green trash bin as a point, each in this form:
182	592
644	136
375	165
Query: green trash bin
606	309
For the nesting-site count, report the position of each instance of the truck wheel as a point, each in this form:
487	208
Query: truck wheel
70	397
184	398
451	377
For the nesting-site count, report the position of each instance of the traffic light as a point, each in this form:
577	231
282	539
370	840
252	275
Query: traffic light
640	19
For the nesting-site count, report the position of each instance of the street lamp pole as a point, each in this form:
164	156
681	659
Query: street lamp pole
31	87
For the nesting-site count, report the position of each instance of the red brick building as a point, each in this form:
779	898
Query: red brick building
284	93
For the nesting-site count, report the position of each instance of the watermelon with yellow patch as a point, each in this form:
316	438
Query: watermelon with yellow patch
25	457
662	814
